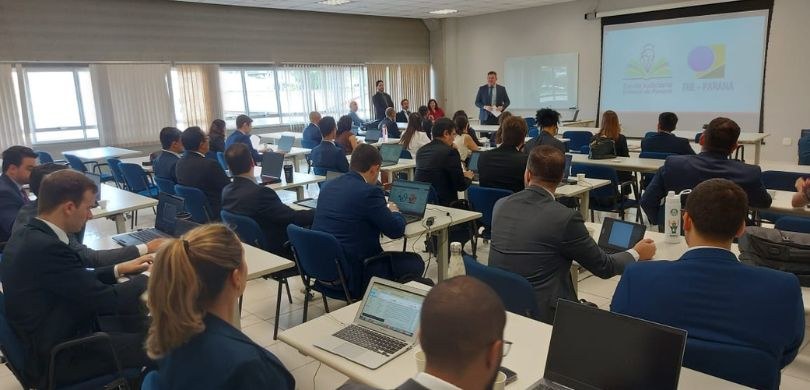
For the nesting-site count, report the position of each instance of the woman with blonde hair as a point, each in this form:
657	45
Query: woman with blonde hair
192	295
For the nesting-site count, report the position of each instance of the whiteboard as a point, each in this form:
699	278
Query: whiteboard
543	81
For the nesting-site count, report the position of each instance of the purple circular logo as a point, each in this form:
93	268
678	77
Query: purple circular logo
701	58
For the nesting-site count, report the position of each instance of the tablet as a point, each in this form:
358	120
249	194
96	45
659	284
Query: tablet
618	235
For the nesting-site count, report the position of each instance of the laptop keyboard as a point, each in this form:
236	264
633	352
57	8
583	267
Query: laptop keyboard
411	218
147	235
370	340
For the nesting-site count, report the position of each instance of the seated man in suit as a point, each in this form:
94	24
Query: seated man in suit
312	134
664	141
244	125
711	294
439	164
245	197
91	258
685	172
389	123
548	120
538	238
18	161
461	333
327	155
503	166
354	210
405	112
194	170
52	297
357	122
164	165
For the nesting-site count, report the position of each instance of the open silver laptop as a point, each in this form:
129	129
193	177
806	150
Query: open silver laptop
384	328
285	144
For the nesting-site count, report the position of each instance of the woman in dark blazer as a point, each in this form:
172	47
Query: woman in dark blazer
216	136
195	283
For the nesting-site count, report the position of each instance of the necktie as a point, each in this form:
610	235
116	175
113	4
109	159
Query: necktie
491	97
24	196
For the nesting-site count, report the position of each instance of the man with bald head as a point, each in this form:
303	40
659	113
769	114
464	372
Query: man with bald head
390	123
312	133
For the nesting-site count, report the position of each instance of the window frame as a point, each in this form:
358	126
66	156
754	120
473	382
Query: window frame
242	74
33	130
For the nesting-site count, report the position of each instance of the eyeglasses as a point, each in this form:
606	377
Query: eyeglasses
507	346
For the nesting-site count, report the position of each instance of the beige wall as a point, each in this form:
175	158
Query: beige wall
473	45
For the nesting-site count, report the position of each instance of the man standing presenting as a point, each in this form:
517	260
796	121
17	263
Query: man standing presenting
490	97
381	101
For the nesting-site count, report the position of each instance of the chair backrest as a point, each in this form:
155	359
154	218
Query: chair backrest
165	185
482	200
246	228
533	131
405	154
222	163
655	155
697	137
530	122
781	180
75	162
115	168
308	143
598	172
584	149
793	224
514	290
319	255
747	366
578	138
650	134
196	203
44	157
150	381
135	177
10	345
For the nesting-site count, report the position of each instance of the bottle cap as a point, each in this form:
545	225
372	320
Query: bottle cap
455	247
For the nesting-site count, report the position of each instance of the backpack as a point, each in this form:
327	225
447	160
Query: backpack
777	249
602	149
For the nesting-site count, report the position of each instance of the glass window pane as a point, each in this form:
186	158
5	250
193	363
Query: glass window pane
291	90
261	93
92	133
53	99
61	135
233	98
88	101
179	102
16	82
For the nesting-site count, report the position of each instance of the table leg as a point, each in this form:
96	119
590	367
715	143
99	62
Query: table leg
757	148
120	223
584	205
442	237
297	160
411	174
299	192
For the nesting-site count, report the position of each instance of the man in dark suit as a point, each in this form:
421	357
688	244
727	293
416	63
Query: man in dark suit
381	100
194	170
18	161
439	164
245	197
503	166
354	210
538	238
312	134
244	125
664	141
491	96
164	165
548	120
327	155
461	333
52	297
405	112
390	123
712	295
686	172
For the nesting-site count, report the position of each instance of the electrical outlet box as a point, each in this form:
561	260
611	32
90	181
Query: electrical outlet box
787	141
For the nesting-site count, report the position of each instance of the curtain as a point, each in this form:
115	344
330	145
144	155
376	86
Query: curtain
11	130
327	89
376	72
132	102
198	87
402	81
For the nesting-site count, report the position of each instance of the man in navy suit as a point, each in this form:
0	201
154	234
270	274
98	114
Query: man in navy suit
244	125
664	141
163	166
390	123
205	174
18	162
713	296
327	155
355	212
491	96
312	134
685	172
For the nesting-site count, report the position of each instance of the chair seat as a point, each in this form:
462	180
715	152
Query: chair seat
151	192
106	177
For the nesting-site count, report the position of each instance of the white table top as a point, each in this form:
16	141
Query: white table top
784	166
121	201
101	153
781	204
294	151
277	136
745	137
571	190
441	219
633	163
299	179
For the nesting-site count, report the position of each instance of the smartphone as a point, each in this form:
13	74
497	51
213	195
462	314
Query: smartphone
511	376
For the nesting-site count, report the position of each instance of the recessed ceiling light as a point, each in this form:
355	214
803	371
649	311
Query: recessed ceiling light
444	11
334	2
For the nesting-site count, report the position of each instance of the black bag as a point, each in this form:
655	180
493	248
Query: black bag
602	149
777	249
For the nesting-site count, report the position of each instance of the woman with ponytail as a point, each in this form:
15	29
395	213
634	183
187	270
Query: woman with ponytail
192	295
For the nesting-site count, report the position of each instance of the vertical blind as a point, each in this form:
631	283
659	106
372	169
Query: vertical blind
199	94
11	131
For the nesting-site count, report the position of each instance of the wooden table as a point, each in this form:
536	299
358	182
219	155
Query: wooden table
101	153
120	202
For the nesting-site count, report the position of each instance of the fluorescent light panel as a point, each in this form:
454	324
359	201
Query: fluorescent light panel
444	11
334	2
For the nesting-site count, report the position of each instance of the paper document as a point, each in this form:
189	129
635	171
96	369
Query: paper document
495	112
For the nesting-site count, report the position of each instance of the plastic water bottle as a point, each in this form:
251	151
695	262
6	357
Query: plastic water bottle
672	217
456	267
385	133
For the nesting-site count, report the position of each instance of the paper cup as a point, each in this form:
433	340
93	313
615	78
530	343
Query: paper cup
772	193
419	356
500	381
102	204
580	178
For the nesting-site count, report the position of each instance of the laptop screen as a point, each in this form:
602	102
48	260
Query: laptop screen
392	308
372	136
272	164
567	171
167	209
391	152
625	352
285	143
620	235
473	164
410	196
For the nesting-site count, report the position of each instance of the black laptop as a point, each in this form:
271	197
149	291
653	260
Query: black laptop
619	236
272	164
569	160
472	164
166	223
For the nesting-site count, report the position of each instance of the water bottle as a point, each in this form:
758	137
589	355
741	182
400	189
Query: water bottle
456	267
672	217
385	133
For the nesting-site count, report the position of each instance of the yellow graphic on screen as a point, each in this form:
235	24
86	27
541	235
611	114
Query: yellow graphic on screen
708	62
647	66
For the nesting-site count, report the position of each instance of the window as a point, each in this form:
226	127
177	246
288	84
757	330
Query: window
179	102
250	91
60	104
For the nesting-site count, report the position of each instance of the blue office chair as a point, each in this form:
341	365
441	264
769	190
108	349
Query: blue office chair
514	290
251	233
151	381
196	203
793	224
137	180
578	138
609	198
165	185
81	166
584	149
778	180
115	169
646	178
222	163
45	157
533	131
482	200
650	134
697	137
746	366
530	121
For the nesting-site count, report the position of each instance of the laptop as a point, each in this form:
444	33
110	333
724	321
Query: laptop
390	154
272	163
285	144
166	223
473	164
373	135
384	328
569	159
619	236
97	181
411	198
312	203
595	349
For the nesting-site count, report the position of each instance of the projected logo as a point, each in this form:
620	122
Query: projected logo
708	62
647	66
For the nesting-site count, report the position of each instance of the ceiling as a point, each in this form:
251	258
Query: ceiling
398	8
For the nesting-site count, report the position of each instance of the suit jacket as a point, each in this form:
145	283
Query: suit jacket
381	102
482	99
51	295
164	166
238	136
312	136
196	171
536	237
11	199
502	167
393	129
440	165
402	116
90	257
356	121
222	357
243	196
716	298
544	139
685	172
664	142
410	384
329	156
356	213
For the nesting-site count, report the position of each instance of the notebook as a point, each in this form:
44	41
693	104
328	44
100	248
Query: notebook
619	236
411	198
